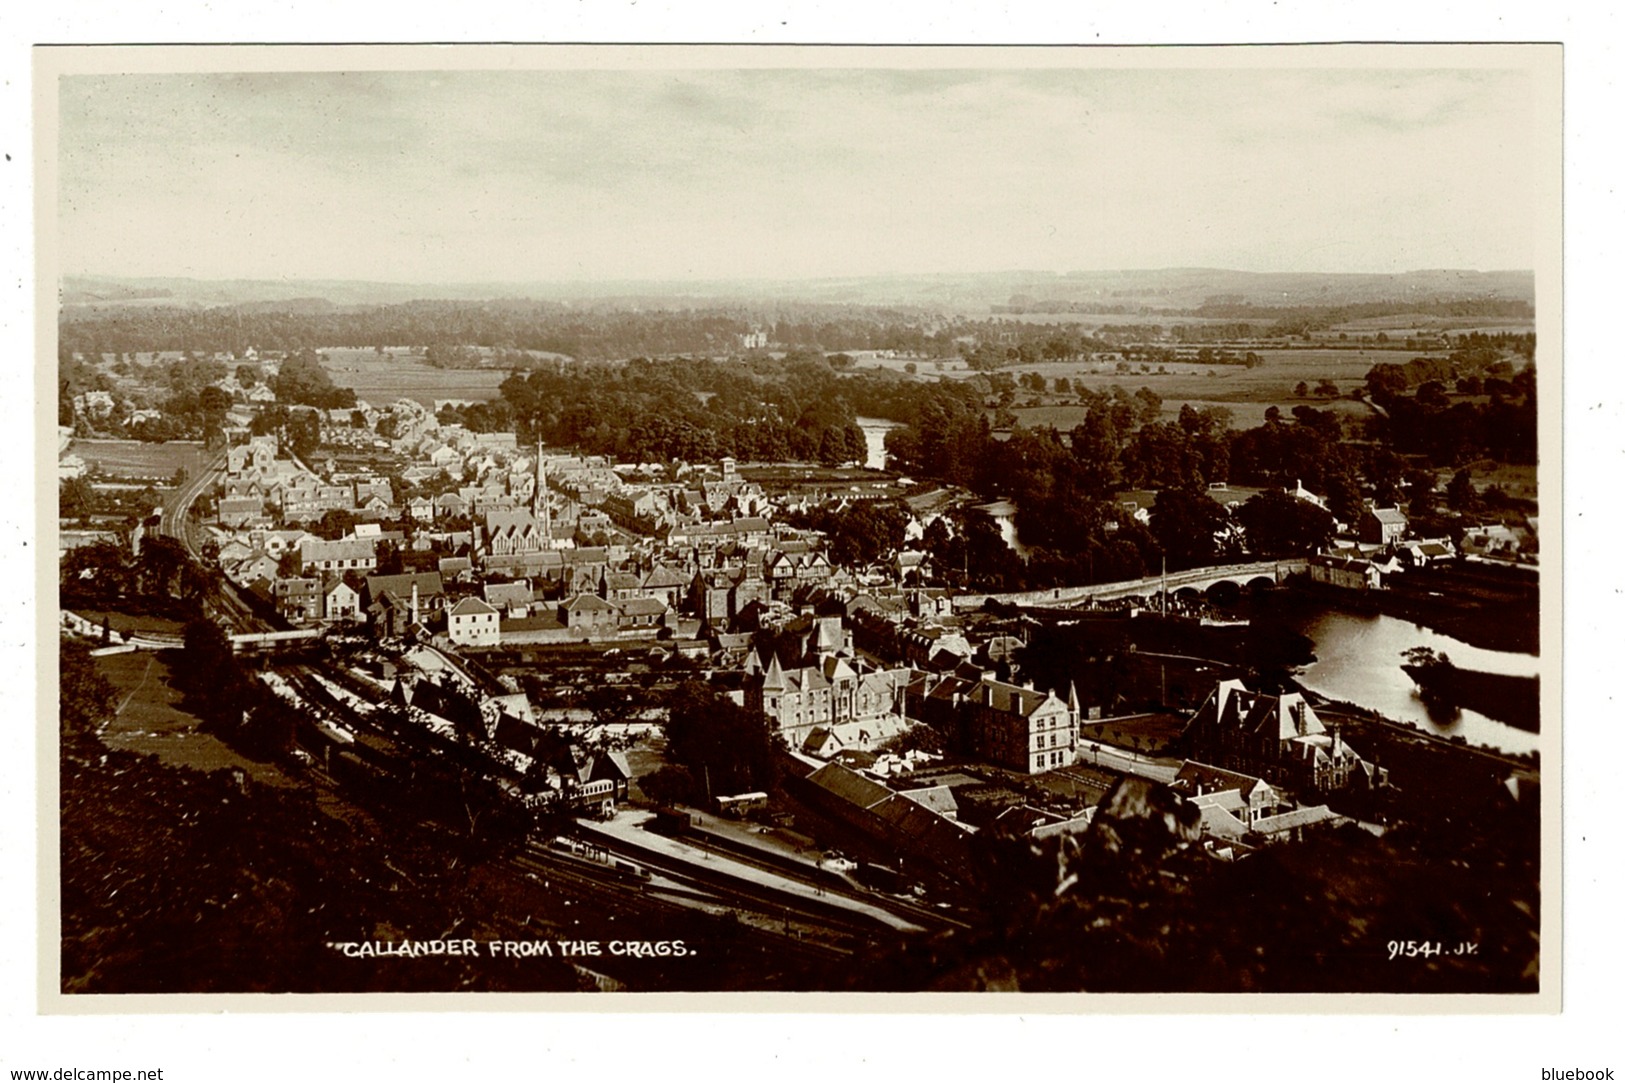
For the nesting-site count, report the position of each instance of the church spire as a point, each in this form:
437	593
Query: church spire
542	514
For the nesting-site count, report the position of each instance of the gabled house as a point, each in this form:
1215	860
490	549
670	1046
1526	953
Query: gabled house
425	589
1350	573
589	612
1277	738
345	555
473	623
1248	797
1019	727
663	584
298	598
1382	526
340	601
258	565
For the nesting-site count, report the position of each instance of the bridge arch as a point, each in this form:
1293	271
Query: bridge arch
1260	583
1224	592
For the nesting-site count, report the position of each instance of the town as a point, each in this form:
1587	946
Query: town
882	660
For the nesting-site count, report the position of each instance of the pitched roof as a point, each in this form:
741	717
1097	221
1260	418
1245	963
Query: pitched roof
610	765
470	607
939	799
589	603
1193	775
849	785
1009	698
504	594
426	582
664	577
1287	821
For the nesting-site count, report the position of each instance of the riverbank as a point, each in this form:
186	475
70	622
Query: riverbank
1509	699
1419	760
1493	608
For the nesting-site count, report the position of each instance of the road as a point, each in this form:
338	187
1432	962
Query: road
172	522
1128	763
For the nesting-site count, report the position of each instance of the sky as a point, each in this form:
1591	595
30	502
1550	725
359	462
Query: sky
785	173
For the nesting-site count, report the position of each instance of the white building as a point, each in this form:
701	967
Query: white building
472	623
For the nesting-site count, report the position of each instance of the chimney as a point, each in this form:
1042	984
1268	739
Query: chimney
414	600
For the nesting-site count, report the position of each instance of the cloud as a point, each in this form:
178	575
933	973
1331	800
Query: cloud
785	172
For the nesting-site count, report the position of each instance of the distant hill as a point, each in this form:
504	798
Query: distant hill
964	293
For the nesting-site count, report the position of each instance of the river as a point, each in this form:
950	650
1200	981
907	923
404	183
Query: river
874	433
1358	656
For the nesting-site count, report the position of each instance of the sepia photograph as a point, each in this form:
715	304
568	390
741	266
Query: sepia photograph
613	521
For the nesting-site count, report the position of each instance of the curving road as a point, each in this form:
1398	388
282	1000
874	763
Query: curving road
172	521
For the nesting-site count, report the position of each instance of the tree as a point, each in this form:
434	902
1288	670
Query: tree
1461	493
1280	525
86	697
217	690
303	381
336	523
76	499
1421	485
1187	523
728	748
1301	390
390	561
866	533
213	403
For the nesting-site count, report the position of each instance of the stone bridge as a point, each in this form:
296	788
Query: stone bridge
1243	576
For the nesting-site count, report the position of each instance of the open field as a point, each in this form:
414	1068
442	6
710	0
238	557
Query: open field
137	624
1413	323
397	375
1246	393
932	367
150	719
1517	481
1097	320
136	459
